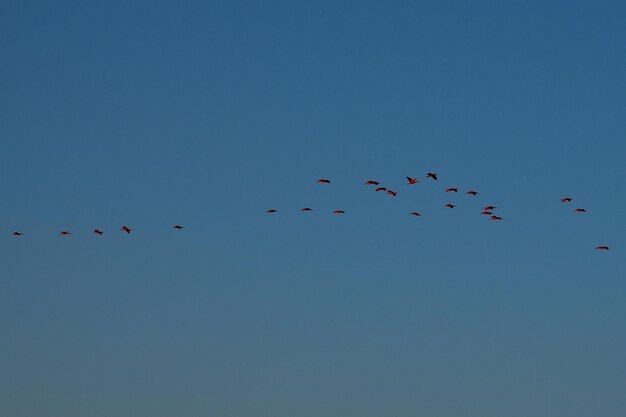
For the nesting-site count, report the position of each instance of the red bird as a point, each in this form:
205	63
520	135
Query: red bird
306	209
488	213
487	208
64	233
393	193
178	227
472	193
602	247
580	210
339	212
415	213
380	189
495	218
323	181
370	182
450	205
16	234
98	231
412	180
268	211
453	190
432	175
566	200
126	229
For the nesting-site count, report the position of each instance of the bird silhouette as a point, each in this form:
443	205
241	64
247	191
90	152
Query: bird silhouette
380	189
488	213
566	200
393	193
98	232
432	175
580	210
412	181
489	208
306	209
449	205
370	182
452	190
16	234
495	218
64	233
271	211
602	247
126	229
178	227
472	193
415	213
339	212
323	181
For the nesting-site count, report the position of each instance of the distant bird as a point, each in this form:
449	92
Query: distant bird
488	208
566	200
16	234
380	189
432	175
339	212
580	210
415	213
450	205
370	182
98	232
323	181
64	233
271	211
178	227
306	209
472	193
488	213
452	190
412	180
126	229
602	247
393	193
495	218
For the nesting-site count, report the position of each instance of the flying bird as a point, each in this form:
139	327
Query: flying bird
370	182
495	218
602	247
450	205
271	211
16	234
98	232
323	181
488	213
566	200
64	233
452	190
488	208
380	189
339	212
306	209
412	181
432	175
178	227
393	193
472	193
126	229
415	213
580	210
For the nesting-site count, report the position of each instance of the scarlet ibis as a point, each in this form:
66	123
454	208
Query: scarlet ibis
450	205
339	212
64	233
580	210
415	213
602	247
488	213
472	193
126	229
380	189
432	175
495	218
566	200
412	180
370	182
306	209
16	234
98	232
393	193
271	211
323	181
488	208
178	227
452	190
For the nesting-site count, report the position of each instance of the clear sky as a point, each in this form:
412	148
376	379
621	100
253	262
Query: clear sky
205	114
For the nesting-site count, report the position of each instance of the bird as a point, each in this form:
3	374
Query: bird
450	205
323	181
16	234
602	248
415	213
580	210
271	211
126	229
339	212
488	213
432	175
64	233
566	200
306	209
495	218
370	182
380	189
98	232
178	227
452	190
488	208
472	193
393	193
412	180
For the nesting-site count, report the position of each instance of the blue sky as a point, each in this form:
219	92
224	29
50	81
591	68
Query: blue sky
208	113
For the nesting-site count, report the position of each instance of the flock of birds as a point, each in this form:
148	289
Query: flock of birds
486	210
376	185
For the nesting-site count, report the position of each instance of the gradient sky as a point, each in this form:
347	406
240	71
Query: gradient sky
205	114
